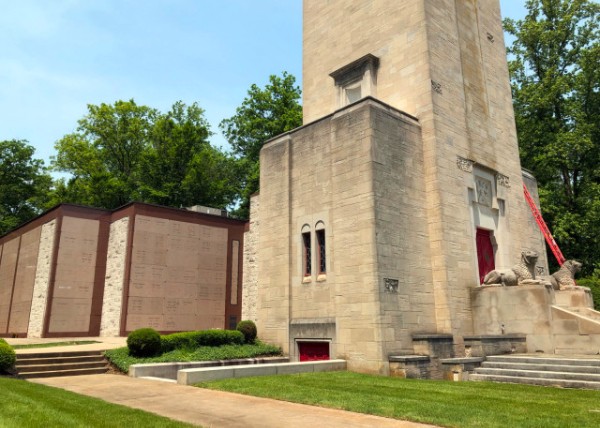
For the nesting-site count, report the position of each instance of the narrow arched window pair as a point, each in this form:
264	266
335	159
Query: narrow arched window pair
321	249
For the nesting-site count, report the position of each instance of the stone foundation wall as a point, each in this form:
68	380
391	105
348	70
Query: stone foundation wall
115	277
42	280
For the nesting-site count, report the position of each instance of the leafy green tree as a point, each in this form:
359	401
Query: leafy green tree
125	152
264	114
555	82
104	154
24	184
180	167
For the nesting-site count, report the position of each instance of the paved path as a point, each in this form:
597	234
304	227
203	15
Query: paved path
214	408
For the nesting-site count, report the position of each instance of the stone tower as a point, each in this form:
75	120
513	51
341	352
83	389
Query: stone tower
377	214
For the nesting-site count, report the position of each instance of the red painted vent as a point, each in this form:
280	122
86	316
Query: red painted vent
313	351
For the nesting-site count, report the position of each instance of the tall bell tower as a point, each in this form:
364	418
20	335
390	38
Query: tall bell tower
380	214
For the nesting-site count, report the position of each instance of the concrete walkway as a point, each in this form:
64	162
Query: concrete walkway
210	408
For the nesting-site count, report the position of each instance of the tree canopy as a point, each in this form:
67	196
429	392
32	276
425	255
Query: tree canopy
264	114
126	152
24	184
555	82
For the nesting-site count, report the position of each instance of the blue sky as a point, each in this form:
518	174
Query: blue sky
58	56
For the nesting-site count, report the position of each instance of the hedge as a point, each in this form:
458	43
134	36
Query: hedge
594	284
7	357
144	342
195	339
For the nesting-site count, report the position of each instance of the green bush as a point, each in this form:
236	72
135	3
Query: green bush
195	339
3	341
594	284
248	329
144	342
7	357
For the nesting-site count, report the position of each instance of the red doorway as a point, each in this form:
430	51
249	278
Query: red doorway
485	253
313	351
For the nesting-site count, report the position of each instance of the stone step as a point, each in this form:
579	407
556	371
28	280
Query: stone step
524	359
60	367
538	374
563	383
67	363
57	373
66	360
29	356
542	367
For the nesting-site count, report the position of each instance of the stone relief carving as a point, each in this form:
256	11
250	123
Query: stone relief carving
465	165
522	273
502	180
484	191
565	276
391	285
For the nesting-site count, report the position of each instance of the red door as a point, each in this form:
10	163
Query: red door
313	351
485	253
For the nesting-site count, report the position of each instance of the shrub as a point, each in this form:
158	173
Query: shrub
248	329
195	339
7	357
594	284
144	342
3	341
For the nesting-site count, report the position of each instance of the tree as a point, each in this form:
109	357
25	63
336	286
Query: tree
180	167
556	92
103	156
125	152
24	184
264	114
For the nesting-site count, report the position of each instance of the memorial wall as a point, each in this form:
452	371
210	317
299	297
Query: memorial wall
178	275
177	271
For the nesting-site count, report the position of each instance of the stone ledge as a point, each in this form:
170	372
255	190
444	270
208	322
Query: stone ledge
483	337
463	360
191	376
433	336
169	370
407	358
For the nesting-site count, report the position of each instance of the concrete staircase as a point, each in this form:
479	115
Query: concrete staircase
53	364
566	372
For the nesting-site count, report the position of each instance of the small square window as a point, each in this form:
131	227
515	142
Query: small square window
353	94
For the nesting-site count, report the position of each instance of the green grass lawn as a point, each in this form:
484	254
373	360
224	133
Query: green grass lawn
25	404
53	344
451	404
122	360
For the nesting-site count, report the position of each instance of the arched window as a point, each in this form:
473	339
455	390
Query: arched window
321	248
307	251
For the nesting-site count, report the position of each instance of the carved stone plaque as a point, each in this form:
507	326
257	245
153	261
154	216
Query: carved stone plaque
484	191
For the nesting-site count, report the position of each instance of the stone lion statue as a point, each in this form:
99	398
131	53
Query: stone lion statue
565	276
523	271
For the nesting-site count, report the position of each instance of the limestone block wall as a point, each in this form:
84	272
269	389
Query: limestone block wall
392	30
274	243
42	280
115	278
471	119
251	260
332	187
402	240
